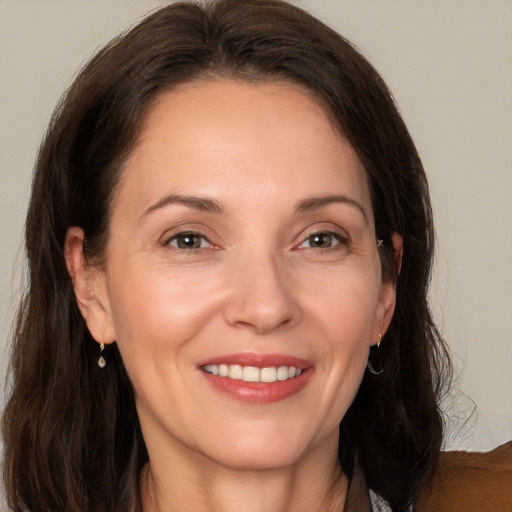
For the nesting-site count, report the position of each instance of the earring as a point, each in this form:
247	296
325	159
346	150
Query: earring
101	361
375	362
379	242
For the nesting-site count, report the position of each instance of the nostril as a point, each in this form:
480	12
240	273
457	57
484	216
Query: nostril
263	325
262	314
261	297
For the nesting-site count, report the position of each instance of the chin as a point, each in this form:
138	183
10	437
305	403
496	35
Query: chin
263	449
259	459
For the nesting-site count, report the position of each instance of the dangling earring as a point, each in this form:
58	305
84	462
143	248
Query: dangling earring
101	361
375	362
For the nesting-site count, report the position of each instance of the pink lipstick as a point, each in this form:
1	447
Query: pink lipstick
260	378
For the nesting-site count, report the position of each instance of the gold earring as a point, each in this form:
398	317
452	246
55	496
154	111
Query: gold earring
101	361
379	242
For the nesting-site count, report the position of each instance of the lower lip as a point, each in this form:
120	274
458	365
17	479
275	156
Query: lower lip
259	392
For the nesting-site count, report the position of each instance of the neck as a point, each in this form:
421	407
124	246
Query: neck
316	483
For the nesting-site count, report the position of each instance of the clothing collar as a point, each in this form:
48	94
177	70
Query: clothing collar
358	498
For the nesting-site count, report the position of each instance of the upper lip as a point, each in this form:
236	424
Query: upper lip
258	360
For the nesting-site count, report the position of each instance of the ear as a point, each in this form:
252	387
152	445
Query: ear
387	296
90	287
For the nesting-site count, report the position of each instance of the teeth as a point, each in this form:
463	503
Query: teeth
268	375
282	373
235	371
252	373
223	370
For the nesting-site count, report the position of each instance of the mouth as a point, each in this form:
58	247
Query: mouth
257	378
253	373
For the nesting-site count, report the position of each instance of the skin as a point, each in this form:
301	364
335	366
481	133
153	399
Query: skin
259	282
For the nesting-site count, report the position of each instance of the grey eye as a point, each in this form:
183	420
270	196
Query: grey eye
320	241
188	241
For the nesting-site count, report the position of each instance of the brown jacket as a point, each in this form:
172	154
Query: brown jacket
462	482
467	481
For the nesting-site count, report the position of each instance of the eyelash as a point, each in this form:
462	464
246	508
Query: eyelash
183	235
335	239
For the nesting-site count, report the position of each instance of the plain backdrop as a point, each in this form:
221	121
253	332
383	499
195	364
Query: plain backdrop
449	64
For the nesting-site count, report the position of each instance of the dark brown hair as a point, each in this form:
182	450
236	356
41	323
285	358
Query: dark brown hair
72	437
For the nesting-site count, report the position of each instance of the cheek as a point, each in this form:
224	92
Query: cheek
157	313
345	304
344	319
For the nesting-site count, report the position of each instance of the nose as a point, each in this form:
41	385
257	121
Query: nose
262	297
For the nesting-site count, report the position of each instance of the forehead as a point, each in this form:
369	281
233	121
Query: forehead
213	135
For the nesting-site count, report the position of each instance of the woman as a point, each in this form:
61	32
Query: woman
229	244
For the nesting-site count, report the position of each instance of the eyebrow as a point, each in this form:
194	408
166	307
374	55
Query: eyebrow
198	203
314	203
212	205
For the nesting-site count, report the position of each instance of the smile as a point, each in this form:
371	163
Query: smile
257	378
252	373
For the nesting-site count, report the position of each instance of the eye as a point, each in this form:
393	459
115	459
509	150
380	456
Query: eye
189	241
323	240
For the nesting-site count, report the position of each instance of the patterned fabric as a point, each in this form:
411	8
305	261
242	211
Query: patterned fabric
379	504
362	499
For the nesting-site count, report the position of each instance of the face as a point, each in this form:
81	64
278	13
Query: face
242	280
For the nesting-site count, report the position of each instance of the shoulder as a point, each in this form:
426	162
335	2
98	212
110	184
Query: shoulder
465	481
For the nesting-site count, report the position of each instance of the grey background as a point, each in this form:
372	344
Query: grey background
449	66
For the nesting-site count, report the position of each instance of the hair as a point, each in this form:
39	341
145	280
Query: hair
71	432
